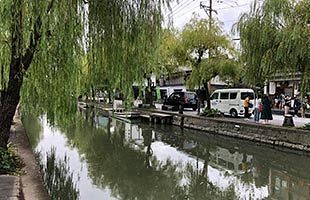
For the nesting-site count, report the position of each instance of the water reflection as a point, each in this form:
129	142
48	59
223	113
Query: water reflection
141	161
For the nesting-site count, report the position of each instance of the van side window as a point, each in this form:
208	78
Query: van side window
224	95
233	95
215	96
247	94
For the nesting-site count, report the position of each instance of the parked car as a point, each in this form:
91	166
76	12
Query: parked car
188	99
230	101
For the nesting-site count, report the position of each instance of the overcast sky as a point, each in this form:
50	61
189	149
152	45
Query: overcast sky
228	12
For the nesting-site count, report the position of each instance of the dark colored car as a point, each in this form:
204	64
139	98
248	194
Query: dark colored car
188	99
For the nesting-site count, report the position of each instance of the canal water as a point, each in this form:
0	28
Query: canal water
112	159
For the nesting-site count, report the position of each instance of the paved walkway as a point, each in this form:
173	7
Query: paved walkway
10	187
28	186
277	118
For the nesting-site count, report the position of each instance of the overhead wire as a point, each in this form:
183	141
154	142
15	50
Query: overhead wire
181	3
182	8
191	10
177	7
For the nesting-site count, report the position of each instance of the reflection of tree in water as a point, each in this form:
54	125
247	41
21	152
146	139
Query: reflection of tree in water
130	173
32	125
200	187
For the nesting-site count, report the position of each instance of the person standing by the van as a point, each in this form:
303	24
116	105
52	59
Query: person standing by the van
257	110
246	105
266	111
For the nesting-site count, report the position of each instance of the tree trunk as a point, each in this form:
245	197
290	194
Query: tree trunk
206	86
19	64
10	99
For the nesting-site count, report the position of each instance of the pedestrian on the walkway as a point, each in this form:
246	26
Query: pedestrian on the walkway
266	111
246	105
296	106
287	105
304	103
257	110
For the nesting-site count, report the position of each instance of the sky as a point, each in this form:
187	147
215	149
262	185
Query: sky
228	12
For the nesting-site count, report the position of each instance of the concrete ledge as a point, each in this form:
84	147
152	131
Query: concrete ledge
280	136
31	181
10	187
288	137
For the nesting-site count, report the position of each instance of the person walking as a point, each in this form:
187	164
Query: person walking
246	105
297	106
266	109
257	110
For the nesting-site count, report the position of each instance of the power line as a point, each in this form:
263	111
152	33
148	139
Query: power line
197	6
181	3
230	7
185	5
177	7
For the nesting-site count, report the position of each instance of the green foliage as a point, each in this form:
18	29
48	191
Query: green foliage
33	126
81	44
122	42
57	177
211	112
169	49
275	39
203	48
9	162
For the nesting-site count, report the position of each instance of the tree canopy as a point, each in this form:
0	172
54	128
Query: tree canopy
206	50
275	38
69	43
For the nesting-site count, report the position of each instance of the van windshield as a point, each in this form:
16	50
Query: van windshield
247	94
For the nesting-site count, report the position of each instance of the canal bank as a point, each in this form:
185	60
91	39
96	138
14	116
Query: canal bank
113	159
30	184
288	137
279	136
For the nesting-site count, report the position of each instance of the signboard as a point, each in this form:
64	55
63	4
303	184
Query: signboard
272	88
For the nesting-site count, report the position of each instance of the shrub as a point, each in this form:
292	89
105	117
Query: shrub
211	113
9	161
306	127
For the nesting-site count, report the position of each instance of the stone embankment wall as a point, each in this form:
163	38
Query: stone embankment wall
279	136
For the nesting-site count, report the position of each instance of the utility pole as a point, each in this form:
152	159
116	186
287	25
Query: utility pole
210	14
208	10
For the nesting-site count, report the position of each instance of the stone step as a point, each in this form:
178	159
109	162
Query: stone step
9	187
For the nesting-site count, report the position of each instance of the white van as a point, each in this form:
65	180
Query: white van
230	101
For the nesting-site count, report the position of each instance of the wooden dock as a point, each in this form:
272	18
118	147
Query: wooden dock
158	118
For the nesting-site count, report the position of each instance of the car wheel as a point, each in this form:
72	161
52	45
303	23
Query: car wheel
233	113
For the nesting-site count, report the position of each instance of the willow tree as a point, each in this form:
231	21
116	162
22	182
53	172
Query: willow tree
123	41
204	47
169	50
275	38
51	36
